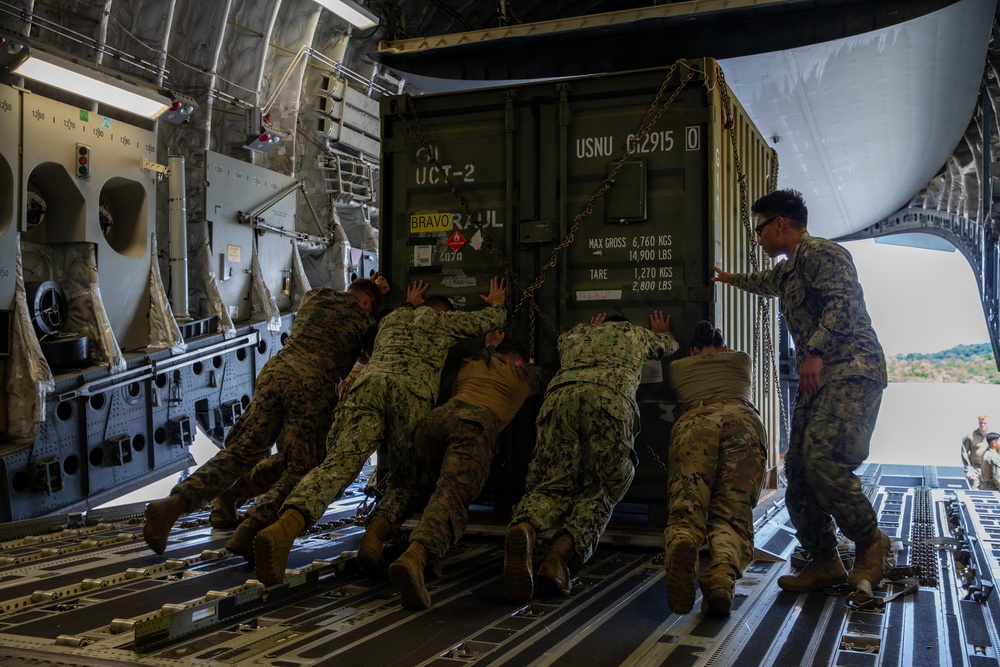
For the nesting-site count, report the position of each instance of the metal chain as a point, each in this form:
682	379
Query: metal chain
762	318
527	294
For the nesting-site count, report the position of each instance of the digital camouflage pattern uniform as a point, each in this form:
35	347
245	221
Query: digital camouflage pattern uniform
973	448
582	463
716	460
824	309
293	402
457	441
391	395
990	468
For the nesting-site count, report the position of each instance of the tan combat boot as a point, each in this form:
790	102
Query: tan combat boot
407	572
241	541
682	572
160	518
517	553
717	588
869	559
824	570
372	544
272	546
223	514
554	571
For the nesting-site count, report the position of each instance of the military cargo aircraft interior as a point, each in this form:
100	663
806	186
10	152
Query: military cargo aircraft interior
179	179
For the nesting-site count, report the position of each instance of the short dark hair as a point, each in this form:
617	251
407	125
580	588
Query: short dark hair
512	347
440	303
992	435
786	203
369	289
706	335
616	318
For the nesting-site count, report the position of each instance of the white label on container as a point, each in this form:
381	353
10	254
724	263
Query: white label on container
599	295
422	255
459	281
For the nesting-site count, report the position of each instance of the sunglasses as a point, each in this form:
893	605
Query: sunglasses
760	228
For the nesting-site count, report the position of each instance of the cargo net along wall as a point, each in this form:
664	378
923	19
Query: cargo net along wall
611	194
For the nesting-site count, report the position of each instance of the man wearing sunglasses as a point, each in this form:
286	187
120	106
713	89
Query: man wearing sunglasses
841	377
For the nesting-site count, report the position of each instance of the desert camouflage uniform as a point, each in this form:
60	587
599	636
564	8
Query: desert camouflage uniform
973	448
582	464
457	441
715	461
293	402
990	471
391	395
824	309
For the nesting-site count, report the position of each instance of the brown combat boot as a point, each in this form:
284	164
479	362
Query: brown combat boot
160	518
371	545
869	559
517	552
272	546
223	514
554	571
407	572
241	541
824	570
682	573
716	592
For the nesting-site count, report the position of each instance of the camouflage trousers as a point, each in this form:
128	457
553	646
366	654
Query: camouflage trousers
261	478
582	464
716	464
379	408
974	477
455	445
294	412
830	436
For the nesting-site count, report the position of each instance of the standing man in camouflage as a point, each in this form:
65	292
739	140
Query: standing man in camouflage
582	464
393	392
841	377
990	467
715	465
293	403
973	448
456	444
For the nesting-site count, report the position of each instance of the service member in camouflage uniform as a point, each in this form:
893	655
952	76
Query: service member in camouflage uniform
292	406
716	463
973	448
841	377
990	467
392	394
582	464
456	444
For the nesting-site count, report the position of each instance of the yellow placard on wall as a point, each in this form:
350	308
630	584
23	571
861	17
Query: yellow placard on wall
429	222
233	254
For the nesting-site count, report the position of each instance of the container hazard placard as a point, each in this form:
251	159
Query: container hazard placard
429	222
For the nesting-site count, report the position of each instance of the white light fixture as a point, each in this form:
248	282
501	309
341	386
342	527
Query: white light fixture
65	75
354	14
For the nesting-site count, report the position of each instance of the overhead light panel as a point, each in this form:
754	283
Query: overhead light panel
85	82
354	14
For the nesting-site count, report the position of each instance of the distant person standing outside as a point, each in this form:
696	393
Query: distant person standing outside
841	378
990	467
973	448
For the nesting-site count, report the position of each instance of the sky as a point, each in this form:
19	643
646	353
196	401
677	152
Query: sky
919	300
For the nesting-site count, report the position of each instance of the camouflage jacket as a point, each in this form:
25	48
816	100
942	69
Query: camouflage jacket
824	308
415	343
330	330
610	355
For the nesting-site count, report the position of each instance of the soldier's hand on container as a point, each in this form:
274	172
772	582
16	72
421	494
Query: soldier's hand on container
415	293
658	322
598	319
809	374
720	275
383	284
494	338
498	292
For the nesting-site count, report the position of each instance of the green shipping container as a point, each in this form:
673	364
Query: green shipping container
606	194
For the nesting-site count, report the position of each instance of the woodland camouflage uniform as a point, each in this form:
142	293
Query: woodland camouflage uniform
292	406
824	309
582	464
391	395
